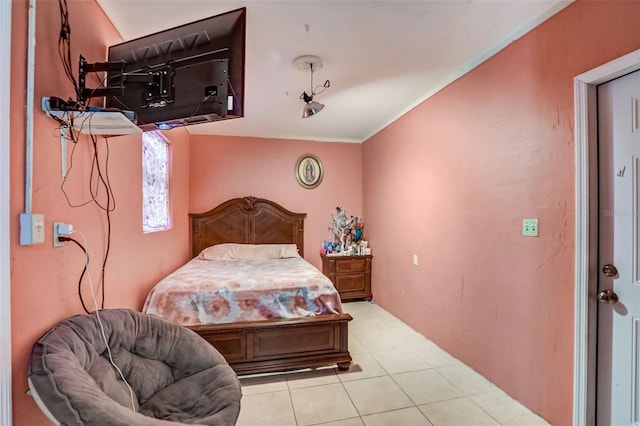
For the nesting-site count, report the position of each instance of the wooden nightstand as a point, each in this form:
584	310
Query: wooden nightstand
351	275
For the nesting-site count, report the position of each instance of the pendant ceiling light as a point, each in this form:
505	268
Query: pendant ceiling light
311	63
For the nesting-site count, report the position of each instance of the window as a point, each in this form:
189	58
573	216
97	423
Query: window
155	182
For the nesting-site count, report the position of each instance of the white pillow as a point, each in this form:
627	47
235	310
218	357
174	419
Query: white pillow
226	251
288	250
233	251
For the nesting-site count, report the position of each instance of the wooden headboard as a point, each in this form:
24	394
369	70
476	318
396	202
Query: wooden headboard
247	220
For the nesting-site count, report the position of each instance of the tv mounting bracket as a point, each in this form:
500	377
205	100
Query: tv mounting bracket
158	81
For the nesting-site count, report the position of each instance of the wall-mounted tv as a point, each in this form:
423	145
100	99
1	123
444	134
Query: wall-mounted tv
186	75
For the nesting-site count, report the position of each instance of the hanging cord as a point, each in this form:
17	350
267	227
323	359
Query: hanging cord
64	51
108	207
104	335
84	270
102	81
206	98
64	43
68	174
101	179
66	122
195	111
233	92
98	180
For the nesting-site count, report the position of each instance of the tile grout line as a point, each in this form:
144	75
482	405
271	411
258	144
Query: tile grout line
293	409
411	399
434	368
466	395
366	352
351	400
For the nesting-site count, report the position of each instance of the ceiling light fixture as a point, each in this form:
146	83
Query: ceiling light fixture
311	63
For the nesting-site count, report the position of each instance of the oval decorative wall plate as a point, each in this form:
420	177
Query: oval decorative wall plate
309	171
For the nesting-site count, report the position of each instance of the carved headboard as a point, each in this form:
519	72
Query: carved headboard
247	220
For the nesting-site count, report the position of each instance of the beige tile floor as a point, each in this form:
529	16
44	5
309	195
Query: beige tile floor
398	377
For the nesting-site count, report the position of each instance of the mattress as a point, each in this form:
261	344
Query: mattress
223	291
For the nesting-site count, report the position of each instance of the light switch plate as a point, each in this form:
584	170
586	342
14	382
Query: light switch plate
31	229
38	228
530	227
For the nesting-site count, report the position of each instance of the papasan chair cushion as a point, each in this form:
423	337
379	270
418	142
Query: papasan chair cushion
175	375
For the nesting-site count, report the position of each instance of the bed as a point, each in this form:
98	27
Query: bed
265	345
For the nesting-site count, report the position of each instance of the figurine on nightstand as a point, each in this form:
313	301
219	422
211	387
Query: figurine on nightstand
343	226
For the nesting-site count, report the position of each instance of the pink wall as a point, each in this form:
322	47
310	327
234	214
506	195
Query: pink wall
44	279
229	167
462	170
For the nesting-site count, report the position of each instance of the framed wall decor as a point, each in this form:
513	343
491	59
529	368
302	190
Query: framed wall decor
309	171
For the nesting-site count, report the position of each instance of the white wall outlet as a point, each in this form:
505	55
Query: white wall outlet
415	260
530	227
56	234
61	229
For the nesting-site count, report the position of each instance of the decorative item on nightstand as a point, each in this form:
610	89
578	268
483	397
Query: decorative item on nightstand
343	227
357	232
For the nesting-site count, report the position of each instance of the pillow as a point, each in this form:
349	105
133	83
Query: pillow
275	251
233	251
288	250
228	251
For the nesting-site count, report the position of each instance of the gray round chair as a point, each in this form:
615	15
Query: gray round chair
175	376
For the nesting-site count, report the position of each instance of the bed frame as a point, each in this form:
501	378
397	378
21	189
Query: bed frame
269	345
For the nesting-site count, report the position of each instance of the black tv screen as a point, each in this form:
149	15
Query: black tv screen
186	75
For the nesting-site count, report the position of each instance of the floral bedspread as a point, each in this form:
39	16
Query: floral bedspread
223	291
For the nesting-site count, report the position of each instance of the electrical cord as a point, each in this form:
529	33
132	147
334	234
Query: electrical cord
108	215
64	180
195	111
64	43
102	81
101	180
206	98
233	92
108	208
102	332
124	106
84	270
98	179
64	51
65	121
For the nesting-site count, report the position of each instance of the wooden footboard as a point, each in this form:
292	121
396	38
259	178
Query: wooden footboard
270	345
276	345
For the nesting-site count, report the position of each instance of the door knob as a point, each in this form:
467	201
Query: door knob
609	270
608	296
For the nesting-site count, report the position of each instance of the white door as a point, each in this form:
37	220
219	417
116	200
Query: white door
618	375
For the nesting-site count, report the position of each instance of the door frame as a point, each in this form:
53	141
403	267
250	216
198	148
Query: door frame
5	262
586	231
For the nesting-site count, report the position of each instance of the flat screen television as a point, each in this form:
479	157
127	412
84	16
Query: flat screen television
186	75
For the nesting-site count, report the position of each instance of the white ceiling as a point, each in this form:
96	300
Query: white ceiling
382	57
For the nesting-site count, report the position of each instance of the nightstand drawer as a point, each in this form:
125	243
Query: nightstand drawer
352	282
350	265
